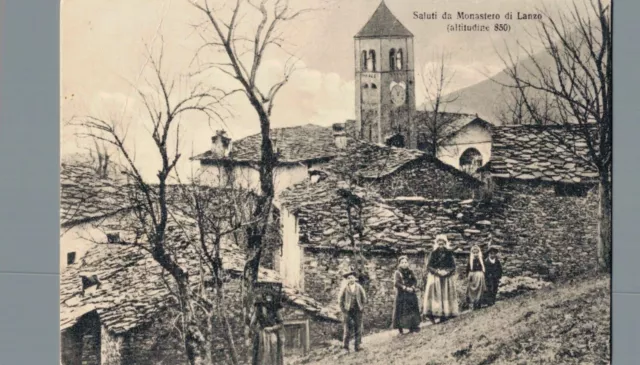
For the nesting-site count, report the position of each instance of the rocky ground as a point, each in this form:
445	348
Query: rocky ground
568	324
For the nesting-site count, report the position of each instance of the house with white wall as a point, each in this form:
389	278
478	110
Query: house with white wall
298	149
86	202
467	146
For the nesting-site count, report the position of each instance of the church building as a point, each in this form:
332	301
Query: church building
385	88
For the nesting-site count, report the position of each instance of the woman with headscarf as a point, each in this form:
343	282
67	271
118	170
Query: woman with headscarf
406	309
440	296
476	284
267	325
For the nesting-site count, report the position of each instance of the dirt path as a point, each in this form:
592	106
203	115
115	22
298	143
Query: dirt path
565	325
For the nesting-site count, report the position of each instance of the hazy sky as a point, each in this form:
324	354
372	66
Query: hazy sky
103	60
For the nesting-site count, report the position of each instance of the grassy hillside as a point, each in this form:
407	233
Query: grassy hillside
569	324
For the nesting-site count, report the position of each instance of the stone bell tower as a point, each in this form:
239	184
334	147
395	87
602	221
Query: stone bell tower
385	90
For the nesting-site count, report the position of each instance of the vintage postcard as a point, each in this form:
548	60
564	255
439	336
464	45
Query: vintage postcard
336	182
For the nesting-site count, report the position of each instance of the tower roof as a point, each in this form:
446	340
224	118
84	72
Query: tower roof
383	24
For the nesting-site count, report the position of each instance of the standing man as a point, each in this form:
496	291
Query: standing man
493	274
352	302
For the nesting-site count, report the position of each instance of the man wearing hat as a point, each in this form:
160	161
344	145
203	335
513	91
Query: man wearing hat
493	274
352	301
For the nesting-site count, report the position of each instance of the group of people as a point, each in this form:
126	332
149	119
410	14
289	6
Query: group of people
440	298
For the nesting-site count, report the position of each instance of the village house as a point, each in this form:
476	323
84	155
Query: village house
467	145
545	200
116	305
124	316
297	149
87	200
323	234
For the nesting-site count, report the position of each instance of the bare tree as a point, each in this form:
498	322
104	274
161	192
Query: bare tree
579	84
244	45
514	111
101	160
152	214
219	215
437	123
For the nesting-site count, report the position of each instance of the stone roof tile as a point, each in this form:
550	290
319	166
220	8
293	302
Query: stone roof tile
294	144
132	291
534	153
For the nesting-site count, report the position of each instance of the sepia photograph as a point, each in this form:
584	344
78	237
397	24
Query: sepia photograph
366	182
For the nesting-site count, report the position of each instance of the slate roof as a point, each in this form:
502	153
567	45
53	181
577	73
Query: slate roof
323	221
295	144
458	121
133	291
534	153
371	161
85	197
407	224
383	24
132	287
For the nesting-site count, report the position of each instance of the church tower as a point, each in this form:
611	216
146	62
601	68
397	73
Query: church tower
385	90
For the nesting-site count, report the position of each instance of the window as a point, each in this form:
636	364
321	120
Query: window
399	60
373	86
71	258
573	190
392	59
113	237
364	60
296	337
470	160
365	86
371	61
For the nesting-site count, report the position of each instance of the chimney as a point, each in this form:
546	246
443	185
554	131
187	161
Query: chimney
340	135
221	144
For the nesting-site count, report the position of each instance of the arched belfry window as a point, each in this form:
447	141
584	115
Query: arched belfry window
373	86
392	59
399	60
371	61
364	60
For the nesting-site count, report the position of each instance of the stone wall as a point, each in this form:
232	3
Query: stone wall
544	235
80	344
323	281
465	222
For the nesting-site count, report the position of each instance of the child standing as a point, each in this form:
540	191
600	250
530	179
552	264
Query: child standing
476	285
493	275
352	301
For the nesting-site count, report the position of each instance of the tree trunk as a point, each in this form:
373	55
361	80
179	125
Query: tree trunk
262	211
604	224
228	331
195	346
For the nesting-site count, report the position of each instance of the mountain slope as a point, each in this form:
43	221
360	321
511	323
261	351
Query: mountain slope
489	98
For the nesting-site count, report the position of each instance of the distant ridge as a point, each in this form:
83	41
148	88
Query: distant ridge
488	98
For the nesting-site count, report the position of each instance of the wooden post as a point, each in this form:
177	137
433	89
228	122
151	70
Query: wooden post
306	338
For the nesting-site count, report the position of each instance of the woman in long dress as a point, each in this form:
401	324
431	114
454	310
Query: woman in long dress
406	308
267	326
476	284
440	296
